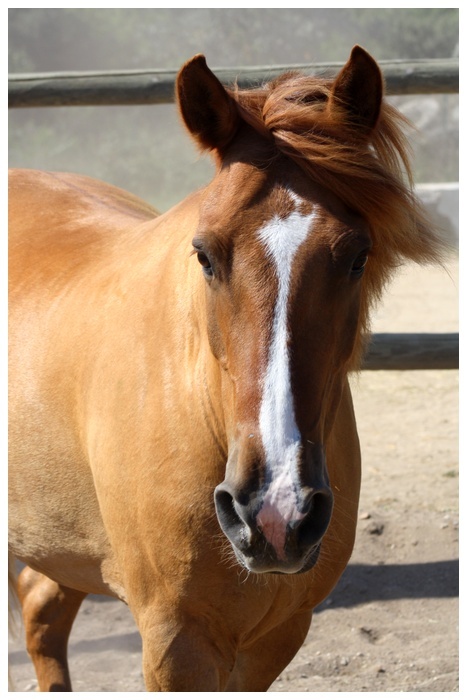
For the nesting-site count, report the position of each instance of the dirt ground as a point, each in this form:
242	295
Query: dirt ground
391	624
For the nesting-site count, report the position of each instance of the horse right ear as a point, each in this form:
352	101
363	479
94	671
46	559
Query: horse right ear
208	111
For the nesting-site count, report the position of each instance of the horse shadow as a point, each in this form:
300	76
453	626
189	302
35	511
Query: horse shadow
364	583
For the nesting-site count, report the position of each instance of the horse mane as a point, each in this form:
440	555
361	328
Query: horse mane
370	172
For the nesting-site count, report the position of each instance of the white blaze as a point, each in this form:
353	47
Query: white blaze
282	238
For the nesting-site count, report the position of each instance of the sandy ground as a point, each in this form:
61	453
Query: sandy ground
391	624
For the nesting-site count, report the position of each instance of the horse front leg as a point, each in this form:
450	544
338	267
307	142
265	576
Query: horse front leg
184	656
49	611
258	666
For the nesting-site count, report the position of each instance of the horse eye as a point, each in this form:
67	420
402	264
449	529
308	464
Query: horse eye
205	263
359	264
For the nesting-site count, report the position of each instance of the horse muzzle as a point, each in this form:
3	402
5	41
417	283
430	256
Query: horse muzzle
278	528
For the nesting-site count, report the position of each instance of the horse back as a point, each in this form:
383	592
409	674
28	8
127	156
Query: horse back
64	218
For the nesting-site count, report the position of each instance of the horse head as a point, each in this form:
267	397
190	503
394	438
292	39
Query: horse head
283	251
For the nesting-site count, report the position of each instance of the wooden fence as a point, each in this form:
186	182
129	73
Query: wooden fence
386	350
157	86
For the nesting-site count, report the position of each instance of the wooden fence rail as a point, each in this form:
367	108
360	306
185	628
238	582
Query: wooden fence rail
157	86
405	351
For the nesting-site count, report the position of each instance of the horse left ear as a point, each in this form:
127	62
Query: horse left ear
358	90
208	111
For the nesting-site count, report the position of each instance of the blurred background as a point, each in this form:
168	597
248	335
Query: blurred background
144	148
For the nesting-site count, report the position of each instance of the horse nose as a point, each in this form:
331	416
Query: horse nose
277	529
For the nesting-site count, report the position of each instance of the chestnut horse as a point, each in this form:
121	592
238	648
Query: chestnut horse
182	431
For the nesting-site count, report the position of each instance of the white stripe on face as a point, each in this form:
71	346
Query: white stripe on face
280	436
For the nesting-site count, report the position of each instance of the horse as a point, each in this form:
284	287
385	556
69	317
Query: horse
182	435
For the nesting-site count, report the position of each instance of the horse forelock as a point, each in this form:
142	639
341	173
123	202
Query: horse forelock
371	175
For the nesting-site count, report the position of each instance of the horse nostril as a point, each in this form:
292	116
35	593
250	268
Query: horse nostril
231	522
225	507
312	528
